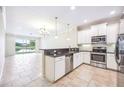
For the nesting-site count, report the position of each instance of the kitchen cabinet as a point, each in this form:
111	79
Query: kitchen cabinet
59	68
112	31
80	37
54	67
86	57
98	30
111	62
84	36
122	27
76	60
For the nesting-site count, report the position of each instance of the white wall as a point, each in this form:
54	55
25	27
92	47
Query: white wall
10	43
2	44
61	42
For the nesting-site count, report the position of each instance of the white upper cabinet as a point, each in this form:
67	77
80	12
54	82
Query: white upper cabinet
84	36
99	29
122	27
112	31
102	29
94	30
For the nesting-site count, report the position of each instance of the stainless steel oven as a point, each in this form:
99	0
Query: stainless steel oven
98	57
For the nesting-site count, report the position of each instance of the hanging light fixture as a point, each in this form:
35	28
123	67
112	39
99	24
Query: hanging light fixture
43	31
56	35
68	32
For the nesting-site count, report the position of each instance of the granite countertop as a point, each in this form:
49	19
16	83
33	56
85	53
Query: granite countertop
85	51
64	54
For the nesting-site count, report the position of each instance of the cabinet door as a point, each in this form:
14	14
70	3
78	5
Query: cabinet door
59	69
87	36
76	60
112	30
79	59
94	30
80	36
84	36
86	57
102	29
122	27
111	62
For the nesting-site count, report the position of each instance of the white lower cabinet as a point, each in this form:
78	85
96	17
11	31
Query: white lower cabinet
54	67
59	69
76	60
86	57
111	62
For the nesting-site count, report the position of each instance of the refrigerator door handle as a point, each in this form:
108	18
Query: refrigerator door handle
117	51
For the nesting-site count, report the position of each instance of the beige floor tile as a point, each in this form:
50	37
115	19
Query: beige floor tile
25	70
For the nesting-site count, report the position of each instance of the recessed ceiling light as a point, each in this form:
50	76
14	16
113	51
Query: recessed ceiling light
72	7
85	21
56	37
68	39
112	12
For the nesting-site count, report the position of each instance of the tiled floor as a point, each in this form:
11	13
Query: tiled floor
21	69
25	70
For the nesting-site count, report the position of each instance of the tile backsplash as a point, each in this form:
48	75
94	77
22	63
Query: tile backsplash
86	47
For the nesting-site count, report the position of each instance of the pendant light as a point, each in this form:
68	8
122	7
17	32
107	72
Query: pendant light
68	32
56	35
43	31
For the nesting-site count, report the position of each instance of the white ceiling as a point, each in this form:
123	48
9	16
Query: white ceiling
27	20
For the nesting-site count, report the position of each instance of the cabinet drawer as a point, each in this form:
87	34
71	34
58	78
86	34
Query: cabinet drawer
59	58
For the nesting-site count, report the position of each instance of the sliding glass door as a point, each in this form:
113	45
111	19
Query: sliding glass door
25	46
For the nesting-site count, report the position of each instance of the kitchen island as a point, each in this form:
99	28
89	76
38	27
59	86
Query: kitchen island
59	62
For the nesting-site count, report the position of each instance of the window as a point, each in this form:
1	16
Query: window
25	46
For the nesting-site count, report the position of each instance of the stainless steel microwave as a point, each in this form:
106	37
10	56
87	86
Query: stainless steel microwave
98	39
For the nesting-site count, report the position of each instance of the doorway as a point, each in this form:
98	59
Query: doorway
25	46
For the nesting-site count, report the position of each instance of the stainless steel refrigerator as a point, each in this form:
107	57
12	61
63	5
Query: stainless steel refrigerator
120	59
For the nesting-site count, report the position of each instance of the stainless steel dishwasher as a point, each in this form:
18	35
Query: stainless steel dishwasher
68	63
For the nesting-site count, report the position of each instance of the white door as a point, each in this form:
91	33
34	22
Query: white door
84	36
80	37
94	30
102	29
76	60
86	57
59	69
112	31
122	27
79	59
87	36
111	62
